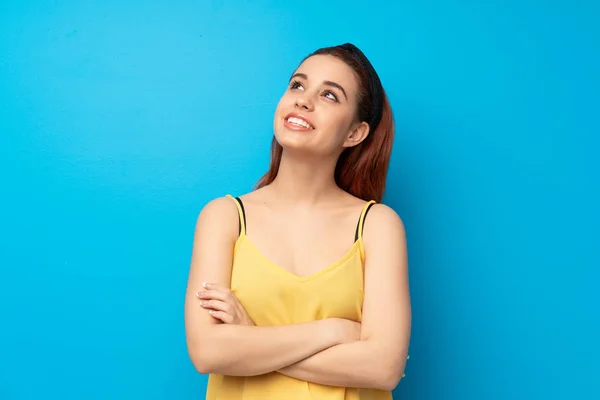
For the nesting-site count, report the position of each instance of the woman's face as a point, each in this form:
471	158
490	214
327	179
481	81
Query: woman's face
317	113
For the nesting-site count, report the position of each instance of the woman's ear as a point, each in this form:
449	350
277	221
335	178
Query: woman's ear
357	134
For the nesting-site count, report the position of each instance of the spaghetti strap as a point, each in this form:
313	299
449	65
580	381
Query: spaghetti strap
241	212
361	220
359	229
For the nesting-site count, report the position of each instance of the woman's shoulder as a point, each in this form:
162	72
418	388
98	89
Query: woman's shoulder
383	219
219	212
381	210
257	196
219	205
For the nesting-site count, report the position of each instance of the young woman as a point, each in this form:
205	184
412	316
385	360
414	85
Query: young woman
299	289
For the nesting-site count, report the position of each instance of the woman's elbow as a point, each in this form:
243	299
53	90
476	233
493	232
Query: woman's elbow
202	365
202	357
389	377
389	383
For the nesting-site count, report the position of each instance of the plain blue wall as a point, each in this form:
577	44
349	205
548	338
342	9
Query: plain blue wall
118	122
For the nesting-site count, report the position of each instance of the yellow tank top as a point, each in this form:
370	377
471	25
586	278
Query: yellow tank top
272	296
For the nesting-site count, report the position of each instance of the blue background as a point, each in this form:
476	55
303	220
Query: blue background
120	120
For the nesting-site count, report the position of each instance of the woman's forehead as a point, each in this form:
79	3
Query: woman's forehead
328	68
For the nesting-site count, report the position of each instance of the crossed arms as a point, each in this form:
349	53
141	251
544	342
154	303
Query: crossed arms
330	351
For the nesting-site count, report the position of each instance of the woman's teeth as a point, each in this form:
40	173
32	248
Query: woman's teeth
300	122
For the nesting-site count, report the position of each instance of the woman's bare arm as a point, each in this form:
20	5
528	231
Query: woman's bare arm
378	359
235	349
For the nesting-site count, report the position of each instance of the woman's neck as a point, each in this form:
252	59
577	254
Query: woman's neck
305	181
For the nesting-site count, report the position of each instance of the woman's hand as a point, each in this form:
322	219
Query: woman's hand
222	304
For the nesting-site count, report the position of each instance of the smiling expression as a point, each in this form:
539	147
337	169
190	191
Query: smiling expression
317	112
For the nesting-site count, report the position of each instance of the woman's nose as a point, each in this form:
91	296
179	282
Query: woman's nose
304	102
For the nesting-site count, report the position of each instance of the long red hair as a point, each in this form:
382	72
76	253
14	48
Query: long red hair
361	170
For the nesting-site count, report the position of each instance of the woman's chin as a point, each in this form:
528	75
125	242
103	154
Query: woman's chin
292	139
293	145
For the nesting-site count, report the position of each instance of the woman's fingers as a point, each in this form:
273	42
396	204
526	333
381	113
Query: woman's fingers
213	295
219	288
220	301
220	315
217	305
215	286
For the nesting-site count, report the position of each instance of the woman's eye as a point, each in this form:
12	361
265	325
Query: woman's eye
331	96
295	85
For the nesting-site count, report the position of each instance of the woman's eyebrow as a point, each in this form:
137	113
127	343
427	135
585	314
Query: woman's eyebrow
328	83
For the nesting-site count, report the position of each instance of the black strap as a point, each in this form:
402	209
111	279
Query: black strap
243	214
358	225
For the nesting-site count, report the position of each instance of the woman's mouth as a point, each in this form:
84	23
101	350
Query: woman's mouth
297	122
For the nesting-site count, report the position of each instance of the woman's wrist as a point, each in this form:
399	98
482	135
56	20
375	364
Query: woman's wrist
339	331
